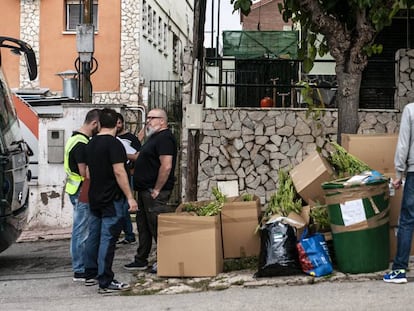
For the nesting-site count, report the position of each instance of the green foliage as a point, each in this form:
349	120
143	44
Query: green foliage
346	164
285	199
247	197
242	5
320	217
210	209
314	100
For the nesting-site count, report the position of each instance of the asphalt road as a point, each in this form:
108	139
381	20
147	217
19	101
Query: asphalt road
37	276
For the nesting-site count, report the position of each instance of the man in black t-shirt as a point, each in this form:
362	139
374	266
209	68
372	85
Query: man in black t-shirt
132	147
109	189
154	181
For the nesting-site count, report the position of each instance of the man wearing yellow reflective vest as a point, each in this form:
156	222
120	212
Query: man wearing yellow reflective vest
75	168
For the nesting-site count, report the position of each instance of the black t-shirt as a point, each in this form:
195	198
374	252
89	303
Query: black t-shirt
103	151
148	161
77	154
132	141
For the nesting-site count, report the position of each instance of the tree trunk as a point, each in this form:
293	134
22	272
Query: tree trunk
347	98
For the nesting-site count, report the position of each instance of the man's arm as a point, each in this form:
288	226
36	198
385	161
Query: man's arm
82	169
163	173
122	180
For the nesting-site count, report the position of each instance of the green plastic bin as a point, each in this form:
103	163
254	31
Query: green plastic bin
360	247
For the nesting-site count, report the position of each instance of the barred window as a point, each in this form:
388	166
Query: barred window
74	14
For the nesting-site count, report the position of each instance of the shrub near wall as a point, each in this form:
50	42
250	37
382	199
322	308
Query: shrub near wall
251	145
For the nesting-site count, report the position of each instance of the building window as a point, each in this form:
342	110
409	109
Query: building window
176	54
74	14
149	23
160	33
144	18
165	37
154	26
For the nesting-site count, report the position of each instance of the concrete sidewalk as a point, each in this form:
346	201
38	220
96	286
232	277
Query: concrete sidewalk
45	234
147	283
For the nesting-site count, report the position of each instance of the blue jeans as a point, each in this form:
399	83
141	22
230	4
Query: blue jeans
100	245
127	224
81	216
406	225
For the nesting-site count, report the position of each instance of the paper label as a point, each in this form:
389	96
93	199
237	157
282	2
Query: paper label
353	212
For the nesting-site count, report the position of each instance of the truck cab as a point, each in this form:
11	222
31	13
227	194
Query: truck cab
14	152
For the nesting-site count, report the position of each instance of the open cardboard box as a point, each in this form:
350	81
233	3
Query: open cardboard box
239	221
308	176
189	245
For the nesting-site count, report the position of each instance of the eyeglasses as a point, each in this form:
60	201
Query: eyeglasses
151	117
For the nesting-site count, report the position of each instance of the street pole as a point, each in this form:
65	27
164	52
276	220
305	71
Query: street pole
194	135
86	65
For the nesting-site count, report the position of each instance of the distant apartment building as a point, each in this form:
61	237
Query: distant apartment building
134	42
264	16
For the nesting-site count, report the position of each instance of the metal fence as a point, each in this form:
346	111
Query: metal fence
247	81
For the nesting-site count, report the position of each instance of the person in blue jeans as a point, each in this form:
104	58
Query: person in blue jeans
108	190
75	168
132	147
404	164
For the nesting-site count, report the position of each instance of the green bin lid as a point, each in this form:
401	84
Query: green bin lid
340	183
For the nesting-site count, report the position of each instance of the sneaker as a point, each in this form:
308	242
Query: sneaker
79	277
91	282
154	268
125	241
113	287
395	276
136	266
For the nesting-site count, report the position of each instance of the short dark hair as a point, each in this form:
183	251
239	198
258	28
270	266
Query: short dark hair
120	117
108	118
92	115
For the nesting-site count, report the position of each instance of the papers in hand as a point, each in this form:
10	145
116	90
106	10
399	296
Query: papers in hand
127	146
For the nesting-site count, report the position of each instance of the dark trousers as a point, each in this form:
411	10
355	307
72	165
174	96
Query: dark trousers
147	222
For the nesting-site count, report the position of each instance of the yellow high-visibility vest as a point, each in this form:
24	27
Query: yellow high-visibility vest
73	179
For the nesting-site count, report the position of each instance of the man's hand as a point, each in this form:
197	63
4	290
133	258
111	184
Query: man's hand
397	183
154	193
133	205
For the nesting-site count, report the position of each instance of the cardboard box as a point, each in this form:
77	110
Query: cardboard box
308	176
239	220
189	246
376	150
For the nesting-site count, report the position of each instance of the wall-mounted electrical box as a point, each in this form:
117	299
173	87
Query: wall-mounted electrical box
193	116
55	146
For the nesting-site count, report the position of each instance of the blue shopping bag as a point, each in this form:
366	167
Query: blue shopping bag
313	255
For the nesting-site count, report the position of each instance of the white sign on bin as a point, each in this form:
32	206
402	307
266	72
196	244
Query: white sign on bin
353	212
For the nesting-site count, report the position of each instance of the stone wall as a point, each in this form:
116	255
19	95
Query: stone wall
29	32
404	78
251	145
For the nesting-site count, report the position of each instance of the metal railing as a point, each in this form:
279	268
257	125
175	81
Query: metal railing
249	81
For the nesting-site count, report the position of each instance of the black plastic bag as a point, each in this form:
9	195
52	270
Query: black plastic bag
278	253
